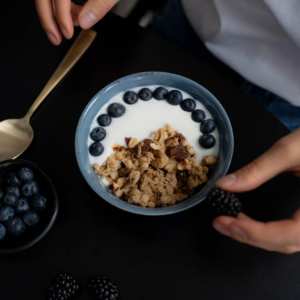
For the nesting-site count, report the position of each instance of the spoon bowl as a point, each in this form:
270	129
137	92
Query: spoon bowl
15	135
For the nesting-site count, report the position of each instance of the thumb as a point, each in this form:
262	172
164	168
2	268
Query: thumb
93	11
268	165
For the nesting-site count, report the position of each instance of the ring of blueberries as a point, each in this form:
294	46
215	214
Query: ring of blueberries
20	203
174	97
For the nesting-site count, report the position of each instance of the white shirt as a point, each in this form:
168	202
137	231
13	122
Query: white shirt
259	39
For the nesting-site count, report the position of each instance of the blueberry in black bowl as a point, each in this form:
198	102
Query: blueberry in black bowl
38	203
13	190
30	188
2	232
96	149
6	212
104	120
22	206
13	179
188	105
198	115
174	97
15	226
10	199
145	94
116	110
25	174
98	134
31	218
160	93
130	97
207	141
24	225
1	195
208	126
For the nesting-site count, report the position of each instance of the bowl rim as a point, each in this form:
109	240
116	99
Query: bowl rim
53	218
158	211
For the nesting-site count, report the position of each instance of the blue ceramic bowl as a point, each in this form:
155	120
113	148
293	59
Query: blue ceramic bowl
198	92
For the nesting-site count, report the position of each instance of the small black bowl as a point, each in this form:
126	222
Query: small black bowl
13	244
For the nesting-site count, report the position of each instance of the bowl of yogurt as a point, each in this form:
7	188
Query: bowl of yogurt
134	107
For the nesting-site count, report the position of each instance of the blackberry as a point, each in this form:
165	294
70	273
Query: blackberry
224	202
101	287
63	287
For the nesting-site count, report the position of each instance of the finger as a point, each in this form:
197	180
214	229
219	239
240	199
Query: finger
63	16
283	156
282	236
75	11
93	11
48	22
256	173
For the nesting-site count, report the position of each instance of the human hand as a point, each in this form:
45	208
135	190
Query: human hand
282	236
58	17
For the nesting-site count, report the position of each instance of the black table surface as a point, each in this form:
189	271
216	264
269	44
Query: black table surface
173	257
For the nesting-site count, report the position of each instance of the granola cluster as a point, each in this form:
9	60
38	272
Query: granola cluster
158	172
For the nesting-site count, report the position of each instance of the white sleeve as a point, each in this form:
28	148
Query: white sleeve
287	12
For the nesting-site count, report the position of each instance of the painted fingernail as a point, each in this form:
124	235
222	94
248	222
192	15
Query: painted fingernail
227	180
52	38
220	228
88	20
64	32
238	232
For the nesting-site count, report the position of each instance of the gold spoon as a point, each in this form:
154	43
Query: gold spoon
16	134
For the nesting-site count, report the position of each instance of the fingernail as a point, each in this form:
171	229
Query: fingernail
75	23
52	38
237	231
64	32
227	180
88	20
220	228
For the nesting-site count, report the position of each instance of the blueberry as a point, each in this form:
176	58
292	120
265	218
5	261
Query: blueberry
104	120
13	179
145	94
15	226
25	174
6	212
207	141
198	115
30	188
1	194
22	206
188	105
2	232
96	149
10	199
174	97
38	203
98	134
208	126
160	93
31	218
130	97
116	110
13	190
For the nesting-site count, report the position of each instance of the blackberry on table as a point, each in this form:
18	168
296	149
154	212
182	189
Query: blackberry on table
63	287
101	287
224	203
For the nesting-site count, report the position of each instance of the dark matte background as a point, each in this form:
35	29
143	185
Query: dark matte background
173	257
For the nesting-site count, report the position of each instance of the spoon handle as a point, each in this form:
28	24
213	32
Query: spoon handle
81	44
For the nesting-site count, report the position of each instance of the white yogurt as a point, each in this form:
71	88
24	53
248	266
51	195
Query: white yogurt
144	117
